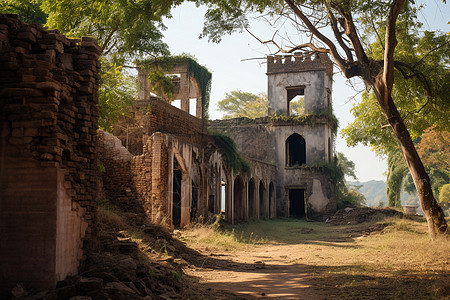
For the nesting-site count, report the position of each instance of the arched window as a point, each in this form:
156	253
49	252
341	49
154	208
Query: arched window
295	150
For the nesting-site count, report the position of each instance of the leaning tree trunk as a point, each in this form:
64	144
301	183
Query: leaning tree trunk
433	212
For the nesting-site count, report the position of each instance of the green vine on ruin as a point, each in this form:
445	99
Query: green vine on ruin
307	118
159	65
228	149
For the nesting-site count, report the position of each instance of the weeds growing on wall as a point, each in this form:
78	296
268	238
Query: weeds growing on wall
227	147
310	119
163	83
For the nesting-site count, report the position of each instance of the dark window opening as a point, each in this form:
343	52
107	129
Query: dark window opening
295	150
297	203
296	101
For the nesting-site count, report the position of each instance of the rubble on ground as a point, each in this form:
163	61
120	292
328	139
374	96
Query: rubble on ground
352	216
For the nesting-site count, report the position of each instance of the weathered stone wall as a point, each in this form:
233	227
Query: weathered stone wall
251	136
319	191
264	140
315	76
48	162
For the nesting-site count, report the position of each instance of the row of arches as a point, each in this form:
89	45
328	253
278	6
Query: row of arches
252	200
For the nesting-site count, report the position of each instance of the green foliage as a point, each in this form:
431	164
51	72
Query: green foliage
433	147
116	93
397	170
121	27
346	194
159	65
422	100
307	118
29	11
444	196
238	104
228	150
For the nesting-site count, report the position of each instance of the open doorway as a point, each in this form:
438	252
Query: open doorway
222	197
262	206
238	198
176	199
251	198
297	203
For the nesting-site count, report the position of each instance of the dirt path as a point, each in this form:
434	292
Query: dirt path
268	271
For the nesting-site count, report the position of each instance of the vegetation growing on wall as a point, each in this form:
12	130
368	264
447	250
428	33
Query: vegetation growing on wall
310	119
346	195
159	65
228	150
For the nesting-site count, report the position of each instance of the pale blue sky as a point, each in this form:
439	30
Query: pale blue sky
230	72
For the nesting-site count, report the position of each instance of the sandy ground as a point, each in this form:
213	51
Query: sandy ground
268	271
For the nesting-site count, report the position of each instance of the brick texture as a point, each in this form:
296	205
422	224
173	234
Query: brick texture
48	119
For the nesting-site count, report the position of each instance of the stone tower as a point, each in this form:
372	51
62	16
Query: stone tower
299	95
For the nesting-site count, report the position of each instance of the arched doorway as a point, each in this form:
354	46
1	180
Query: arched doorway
262	203
251	199
238	199
295	150
176	198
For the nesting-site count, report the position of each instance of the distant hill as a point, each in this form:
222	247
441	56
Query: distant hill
375	193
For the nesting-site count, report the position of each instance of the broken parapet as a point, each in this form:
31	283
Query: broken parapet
299	63
48	157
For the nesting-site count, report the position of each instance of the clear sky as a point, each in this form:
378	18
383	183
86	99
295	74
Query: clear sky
231	71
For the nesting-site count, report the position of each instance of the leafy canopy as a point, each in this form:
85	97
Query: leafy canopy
29	11
422	101
237	104
123	27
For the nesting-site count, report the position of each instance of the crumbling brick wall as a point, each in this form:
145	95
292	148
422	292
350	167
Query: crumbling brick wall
126	178
164	117
48	160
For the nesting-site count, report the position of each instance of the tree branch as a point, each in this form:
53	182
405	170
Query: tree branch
390	44
399	65
429	52
109	37
338	35
350	31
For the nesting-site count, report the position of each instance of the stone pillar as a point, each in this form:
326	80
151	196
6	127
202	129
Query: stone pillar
184	91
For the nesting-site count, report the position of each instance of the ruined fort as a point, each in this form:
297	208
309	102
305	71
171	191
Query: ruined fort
161	163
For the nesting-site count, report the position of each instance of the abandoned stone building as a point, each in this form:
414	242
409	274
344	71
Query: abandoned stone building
171	170
296	138
160	164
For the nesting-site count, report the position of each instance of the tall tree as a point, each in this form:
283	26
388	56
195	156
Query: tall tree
238	104
347	47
